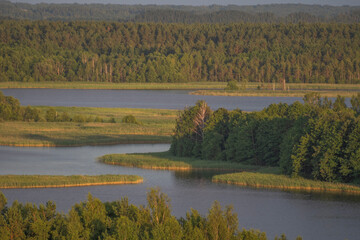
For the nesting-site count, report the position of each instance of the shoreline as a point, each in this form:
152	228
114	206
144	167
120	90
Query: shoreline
265	186
74	185
85	144
331	93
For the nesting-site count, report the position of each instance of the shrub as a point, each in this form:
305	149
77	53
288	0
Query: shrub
129	119
232	85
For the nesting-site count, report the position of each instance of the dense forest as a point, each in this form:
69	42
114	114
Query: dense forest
155	52
181	14
319	139
95	220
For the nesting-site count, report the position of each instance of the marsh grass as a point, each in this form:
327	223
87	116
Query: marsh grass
157	127
99	85
166	161
42	181
271	93
262	180
170	86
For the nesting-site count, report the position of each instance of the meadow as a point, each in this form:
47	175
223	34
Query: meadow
47	181
155	126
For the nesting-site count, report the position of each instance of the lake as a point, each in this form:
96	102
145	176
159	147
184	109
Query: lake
160	99
313	216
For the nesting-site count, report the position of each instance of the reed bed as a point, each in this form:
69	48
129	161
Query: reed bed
51	181
156	127
261	180
271	93
166	161
99	85
170	86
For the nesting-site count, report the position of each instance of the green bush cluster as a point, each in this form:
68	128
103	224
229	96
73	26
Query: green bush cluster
318	139
119	220
129	119
10	110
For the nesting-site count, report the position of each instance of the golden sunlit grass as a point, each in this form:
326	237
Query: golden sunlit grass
87	85
46	181
262	180
156	127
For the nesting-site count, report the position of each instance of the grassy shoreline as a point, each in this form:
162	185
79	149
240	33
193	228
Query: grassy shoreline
282	182
270	93
52	181
125	86
156	127
166	161
171	86
245	175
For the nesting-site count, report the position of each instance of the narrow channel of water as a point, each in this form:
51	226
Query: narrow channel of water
159	99
275	212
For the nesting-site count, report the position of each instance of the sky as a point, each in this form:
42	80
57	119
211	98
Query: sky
202	2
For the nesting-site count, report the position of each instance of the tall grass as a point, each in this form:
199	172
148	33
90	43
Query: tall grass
99	85
37	181
261	180
271	93
157	126
166	161
168	86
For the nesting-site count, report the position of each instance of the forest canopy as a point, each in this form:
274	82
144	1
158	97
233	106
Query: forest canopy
35	51
287	13
95	220
319	139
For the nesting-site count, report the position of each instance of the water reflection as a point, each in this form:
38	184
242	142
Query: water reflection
199	174
313	216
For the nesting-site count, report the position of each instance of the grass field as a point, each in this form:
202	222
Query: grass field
156	127
261	180
47	181
166	161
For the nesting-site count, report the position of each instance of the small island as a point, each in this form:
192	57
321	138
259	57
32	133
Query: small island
51	181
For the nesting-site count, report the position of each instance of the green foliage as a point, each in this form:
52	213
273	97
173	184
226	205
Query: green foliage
317	139
31	114
190	129
103	52
51	115
355	103
232	86
129	119
93	219
10	108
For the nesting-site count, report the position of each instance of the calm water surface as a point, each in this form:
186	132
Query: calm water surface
311	216
275	212
160	99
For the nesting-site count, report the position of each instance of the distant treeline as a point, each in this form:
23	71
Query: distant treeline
154	52
319	139
95	220
286	13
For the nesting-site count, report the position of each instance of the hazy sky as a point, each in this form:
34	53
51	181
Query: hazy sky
202	2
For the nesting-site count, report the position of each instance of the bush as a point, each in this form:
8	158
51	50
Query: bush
129	119
232	85
112	120
79	118
51	115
